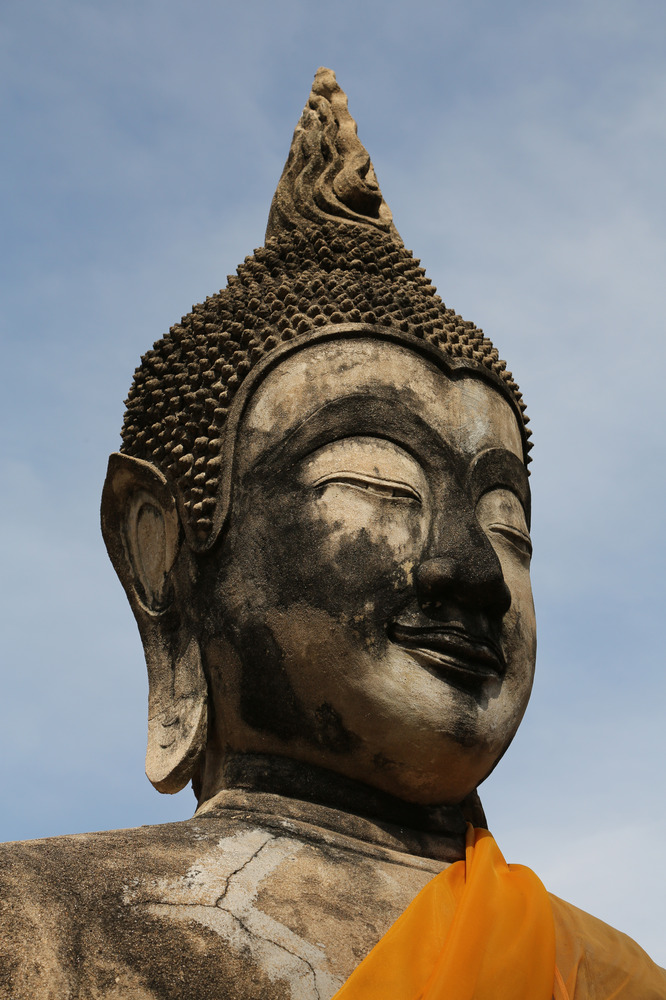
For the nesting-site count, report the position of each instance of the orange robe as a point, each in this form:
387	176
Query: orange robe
485	930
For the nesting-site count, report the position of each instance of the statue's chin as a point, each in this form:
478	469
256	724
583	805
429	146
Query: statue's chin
334	705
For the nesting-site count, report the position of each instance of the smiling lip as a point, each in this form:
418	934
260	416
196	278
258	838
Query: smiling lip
452	651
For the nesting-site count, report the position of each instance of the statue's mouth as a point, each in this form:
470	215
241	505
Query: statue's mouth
452	651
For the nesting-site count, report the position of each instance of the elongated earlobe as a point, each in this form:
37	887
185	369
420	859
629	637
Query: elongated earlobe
143	536
177	729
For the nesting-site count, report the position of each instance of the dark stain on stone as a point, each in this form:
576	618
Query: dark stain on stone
265	687
331	731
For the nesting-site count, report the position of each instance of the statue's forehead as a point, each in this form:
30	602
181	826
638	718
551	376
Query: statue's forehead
465	411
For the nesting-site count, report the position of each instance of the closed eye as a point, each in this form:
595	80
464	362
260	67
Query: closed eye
370	484
519	538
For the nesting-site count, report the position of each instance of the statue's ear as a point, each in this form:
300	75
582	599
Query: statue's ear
145	542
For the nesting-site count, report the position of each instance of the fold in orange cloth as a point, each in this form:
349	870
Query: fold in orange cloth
486	930
481	930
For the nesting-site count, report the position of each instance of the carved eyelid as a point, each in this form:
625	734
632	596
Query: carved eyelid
511	532
498	469
395	489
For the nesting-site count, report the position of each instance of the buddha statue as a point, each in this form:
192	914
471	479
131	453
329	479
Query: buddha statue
320	516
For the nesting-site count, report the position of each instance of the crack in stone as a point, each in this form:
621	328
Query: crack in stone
237	871
261	937
169	903
162	902
217	905
234	916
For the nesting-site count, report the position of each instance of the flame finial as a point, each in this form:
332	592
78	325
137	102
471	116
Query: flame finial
328	173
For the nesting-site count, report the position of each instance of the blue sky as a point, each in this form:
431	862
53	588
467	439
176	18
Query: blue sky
521	149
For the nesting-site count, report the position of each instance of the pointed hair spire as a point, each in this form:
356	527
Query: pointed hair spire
328	174
332	258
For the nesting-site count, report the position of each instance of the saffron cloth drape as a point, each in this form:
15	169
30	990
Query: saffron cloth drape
480	930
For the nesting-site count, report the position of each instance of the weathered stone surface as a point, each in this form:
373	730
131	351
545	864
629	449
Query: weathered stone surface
241	902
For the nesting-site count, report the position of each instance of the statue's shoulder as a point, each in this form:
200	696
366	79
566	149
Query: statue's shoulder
237	904
597	960
94	867
108	913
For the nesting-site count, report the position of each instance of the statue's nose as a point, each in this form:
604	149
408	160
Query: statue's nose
475	583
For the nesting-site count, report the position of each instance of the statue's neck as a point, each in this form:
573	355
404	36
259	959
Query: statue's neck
436	831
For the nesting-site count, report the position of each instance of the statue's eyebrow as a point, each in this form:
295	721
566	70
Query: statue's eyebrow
349	416
499	468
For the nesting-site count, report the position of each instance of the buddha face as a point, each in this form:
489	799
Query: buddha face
369	608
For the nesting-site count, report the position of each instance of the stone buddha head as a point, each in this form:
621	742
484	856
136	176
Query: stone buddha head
321	508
